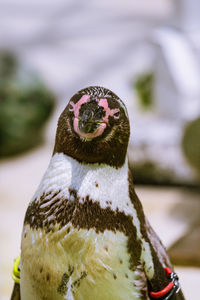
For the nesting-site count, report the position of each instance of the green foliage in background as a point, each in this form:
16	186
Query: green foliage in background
24	108
8	65
144	89
191	143
150	173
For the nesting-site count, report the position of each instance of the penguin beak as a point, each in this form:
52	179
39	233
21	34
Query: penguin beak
88	125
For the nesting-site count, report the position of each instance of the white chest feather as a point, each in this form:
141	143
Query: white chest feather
102	183
72	256
79	264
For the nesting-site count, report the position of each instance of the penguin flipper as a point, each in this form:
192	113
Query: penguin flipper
16	292
162	255
158	246
178	296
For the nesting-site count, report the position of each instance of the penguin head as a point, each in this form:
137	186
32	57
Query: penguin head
94	127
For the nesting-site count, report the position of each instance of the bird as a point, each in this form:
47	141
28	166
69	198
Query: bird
85	235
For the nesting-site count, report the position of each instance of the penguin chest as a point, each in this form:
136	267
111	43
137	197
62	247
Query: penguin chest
78	264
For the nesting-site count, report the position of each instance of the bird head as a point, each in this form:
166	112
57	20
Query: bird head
94	128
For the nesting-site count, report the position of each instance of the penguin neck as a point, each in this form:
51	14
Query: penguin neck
100	182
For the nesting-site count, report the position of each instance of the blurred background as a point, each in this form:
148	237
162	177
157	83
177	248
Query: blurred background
148	53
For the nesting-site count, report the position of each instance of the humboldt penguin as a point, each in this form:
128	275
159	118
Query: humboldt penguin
85	235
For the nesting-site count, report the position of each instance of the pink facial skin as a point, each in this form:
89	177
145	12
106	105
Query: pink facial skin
102	102
109	112
75	107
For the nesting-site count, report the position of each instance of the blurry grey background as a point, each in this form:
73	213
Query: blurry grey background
148	53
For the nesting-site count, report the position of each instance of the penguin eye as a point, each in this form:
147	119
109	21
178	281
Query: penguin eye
116	115
71	106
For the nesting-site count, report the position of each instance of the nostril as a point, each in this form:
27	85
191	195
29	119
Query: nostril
100	113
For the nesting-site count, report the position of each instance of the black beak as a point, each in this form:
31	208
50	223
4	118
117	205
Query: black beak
87	122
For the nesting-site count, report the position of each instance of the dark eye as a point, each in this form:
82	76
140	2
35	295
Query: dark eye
71	106
116	115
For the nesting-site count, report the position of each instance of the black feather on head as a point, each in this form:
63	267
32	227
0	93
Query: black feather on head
94	128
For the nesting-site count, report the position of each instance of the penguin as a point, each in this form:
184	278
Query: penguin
85	235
